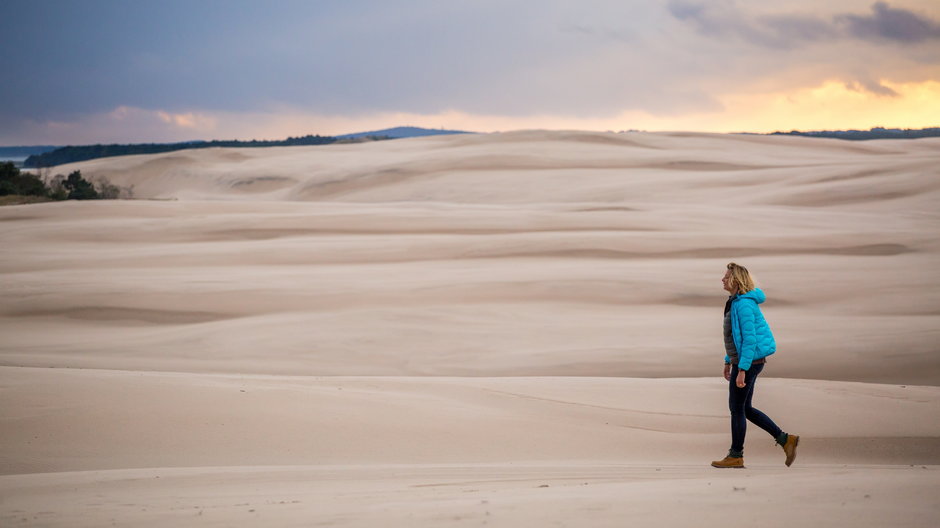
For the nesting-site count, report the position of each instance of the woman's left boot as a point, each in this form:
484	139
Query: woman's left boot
789	447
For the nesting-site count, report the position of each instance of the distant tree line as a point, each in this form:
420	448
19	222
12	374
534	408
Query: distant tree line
15	183
23	151
874	133
74	154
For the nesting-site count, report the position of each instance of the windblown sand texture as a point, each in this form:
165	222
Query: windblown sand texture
518	329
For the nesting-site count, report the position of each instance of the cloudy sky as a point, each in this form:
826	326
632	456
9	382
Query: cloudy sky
133	70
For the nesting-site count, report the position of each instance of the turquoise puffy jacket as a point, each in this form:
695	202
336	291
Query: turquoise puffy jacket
752	336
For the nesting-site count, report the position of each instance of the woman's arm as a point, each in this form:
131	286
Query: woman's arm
746	314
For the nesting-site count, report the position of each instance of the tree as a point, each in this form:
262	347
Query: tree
8	175
57	190
12	181
79	188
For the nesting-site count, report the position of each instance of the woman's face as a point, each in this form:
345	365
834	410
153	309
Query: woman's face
726	282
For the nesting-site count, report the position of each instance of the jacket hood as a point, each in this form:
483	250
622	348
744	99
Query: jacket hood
757	295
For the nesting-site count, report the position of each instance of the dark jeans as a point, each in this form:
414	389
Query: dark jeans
739	400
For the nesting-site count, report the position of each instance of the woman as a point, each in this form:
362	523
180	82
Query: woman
748	342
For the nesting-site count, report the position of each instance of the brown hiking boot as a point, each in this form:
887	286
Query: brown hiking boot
790	448
729	462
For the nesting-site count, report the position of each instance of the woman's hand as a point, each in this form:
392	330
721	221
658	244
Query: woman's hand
727	372
740	381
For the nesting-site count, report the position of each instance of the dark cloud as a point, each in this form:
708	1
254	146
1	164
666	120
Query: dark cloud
870	86
492	57
69	62
724	18
68	59
890	23
712	19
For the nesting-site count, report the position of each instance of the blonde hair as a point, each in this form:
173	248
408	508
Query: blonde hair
741	280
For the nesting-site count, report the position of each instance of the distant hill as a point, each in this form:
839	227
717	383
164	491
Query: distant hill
63	155
874	133
21	153
402	132
50	156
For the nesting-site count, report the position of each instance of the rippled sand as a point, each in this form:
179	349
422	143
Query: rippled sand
516	329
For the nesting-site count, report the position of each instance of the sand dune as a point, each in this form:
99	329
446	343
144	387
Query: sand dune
428	331
432	450
491	495
538	167
184	420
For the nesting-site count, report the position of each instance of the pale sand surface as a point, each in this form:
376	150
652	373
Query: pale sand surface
217	450
516	329
584	494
